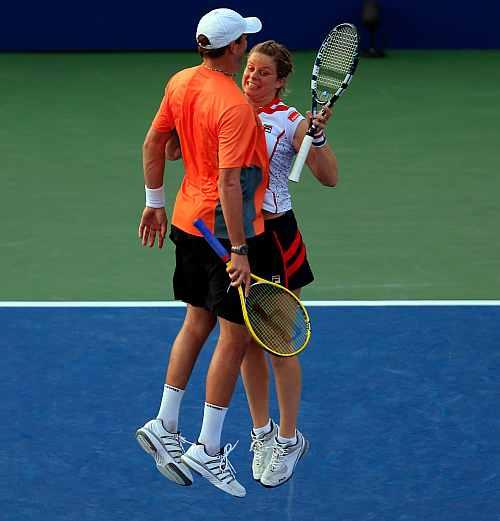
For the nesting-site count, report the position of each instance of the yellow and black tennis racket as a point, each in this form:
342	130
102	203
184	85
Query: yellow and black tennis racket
274	316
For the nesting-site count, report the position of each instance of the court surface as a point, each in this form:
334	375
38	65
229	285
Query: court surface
415	214
400	405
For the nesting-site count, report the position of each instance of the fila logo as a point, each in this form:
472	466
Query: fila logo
268	128
293	115
276	279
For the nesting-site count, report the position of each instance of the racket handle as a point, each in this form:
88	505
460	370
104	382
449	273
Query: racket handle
212	240
301	158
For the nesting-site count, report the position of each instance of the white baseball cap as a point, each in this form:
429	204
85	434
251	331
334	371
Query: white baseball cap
223	26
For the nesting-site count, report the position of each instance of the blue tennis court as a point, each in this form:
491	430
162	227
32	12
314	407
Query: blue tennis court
401	405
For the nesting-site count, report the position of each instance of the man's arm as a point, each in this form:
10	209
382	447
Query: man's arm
173	149
154	217
231	201
153	157
237	132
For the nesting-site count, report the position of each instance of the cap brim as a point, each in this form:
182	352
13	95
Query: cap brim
253	25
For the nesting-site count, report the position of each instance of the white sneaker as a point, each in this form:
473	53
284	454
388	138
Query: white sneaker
166	449
284	459
262	447
217	469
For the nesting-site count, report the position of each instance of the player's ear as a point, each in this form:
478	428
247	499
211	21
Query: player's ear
235	47
232	47
280	83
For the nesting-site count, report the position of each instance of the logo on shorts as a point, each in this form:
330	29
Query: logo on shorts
276	279
293	115
268	128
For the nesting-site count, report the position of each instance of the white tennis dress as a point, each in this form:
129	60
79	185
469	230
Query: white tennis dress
280	123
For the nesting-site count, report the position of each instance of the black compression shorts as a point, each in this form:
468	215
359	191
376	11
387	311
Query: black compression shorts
200	276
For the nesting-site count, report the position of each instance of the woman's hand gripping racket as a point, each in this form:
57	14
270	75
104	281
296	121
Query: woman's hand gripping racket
274	316
332	72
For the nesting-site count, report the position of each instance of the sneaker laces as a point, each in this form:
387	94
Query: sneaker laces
225	465
279	451
258	448
174	444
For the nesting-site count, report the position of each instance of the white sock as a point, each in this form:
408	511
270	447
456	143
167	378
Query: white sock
286	441
211	428
169	407
263	430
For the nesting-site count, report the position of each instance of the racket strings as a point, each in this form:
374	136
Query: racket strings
277	318
337	58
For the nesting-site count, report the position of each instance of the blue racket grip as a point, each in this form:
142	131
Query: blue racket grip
212	240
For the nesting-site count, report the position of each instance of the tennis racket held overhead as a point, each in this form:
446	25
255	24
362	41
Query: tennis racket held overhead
275	317
332	73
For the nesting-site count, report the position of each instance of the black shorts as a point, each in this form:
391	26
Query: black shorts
289	265
200	276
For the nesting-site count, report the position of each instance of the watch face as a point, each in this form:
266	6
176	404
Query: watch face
241	250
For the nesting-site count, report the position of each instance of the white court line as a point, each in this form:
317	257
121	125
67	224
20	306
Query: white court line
92	304
376	303
309	303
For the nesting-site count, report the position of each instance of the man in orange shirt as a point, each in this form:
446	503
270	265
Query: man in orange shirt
226	174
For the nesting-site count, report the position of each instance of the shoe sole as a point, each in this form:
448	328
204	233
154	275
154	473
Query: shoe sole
200	469
170	470
303	453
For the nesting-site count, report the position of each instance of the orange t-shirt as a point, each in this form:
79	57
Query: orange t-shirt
217	128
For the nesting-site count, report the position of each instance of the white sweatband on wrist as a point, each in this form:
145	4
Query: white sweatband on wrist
319	140
155	197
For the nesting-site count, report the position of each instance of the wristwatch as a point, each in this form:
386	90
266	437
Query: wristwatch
242	249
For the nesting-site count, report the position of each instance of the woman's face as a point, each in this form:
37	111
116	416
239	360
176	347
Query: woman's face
260	78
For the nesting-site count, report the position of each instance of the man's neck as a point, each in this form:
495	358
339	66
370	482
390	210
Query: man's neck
219	66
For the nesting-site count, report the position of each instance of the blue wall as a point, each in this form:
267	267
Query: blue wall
154	24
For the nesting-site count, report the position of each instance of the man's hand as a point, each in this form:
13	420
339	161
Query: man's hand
153	223
239	272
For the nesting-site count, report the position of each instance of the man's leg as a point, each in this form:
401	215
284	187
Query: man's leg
207	457
160	437
197	326
225	365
